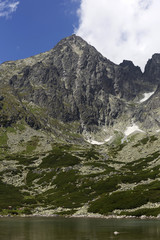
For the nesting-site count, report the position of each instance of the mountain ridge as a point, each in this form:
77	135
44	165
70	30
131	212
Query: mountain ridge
79	84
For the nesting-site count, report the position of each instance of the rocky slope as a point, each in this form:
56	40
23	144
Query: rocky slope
79	134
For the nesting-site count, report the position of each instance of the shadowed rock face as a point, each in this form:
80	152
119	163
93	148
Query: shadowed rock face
74	82
152	69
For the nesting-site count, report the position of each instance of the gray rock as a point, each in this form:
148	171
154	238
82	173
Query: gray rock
74	82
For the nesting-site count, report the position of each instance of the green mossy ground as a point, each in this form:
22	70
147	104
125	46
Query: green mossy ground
129	199
149	139
10	196
59	157
63	185
143	211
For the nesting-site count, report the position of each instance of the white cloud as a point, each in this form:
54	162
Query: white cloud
7	7
121	29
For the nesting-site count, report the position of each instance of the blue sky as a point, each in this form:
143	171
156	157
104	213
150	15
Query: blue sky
119	29
28	27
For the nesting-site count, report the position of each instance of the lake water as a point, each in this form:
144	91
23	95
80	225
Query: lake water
78	229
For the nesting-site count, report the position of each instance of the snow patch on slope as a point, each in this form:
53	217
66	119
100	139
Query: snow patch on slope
108	139
132	129
146	97
94	142
129	130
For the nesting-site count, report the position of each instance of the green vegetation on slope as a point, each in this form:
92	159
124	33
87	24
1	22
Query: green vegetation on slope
10	196
71	176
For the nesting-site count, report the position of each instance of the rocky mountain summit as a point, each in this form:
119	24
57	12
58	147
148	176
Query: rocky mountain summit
79	134
74	82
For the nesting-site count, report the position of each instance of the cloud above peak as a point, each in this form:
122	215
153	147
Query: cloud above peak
7	7
121	29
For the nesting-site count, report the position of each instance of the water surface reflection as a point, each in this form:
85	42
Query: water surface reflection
78	229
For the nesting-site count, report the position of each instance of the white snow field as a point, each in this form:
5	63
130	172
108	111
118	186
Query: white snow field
132	129
94	142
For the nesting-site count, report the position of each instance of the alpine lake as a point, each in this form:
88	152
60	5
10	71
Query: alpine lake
60	228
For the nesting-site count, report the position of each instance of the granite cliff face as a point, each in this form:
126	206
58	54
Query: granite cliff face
79	134
152	69
74	82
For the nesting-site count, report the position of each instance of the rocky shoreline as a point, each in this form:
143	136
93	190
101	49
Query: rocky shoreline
91	215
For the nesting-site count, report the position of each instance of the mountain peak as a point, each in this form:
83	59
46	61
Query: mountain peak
152	69
156	56
73	40
127	63
74	82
